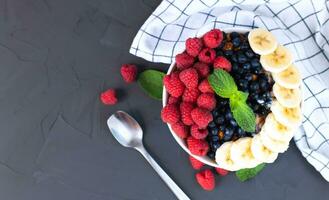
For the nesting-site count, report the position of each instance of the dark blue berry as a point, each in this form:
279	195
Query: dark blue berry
220	120
264	85
242	58
214	145
240	132
219	53
243	84
234	35
233	123
235	67
249	53
246	66
212	124
222	127
215	113
228	115
248	77
215	138
213	131
228	53
255	63
228	133
244	46
211	154
222	102
254	86
236	41
234	58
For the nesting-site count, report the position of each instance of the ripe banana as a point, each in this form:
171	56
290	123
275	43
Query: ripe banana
290	117
278	60
289	78
272	144
223	157
276	130
262	41
287	97
261	152
241	153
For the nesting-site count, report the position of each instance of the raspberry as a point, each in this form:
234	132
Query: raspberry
109	97
128	72
189	77
198	133
207	55
193	46
207	101
170	114
190	95
206	179
185	110
201	117
180	129
183	61
222	63
196	164
197	147
221	171
213	38
202	68
205	87
173	85
173	100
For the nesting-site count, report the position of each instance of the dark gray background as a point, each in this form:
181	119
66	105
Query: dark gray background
56	56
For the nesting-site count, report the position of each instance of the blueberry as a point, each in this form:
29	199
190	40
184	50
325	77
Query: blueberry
236	76
243	84
234	58
242	58
214	145
215	138
222	102
240	132
212	124
219	53
235	67
264	85
211	154
248	77
263	111
244	46
246	66
228	133
215	113
241	71
220	120
261	101
236	41
213	131
234	35
249	53
228	53
254	86
228	115
255	64
222	127
233	123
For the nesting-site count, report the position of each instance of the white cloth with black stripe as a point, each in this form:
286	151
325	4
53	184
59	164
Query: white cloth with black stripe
301	26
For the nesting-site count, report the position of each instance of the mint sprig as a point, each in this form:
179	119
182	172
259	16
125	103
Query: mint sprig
246	174
151	82
223	84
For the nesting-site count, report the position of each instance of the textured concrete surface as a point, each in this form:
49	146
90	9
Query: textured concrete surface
56	56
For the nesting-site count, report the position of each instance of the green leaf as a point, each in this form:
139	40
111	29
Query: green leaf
243	115
245	174
151	82
222	83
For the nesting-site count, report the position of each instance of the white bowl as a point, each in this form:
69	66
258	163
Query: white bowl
205	159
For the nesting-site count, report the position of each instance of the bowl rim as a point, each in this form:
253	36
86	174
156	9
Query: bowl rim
204	159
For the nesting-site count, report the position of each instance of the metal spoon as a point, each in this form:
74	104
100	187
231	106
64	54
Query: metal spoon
128	133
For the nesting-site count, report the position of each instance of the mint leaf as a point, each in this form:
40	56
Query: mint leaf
151	82
243	115
222	83
239	96
246	174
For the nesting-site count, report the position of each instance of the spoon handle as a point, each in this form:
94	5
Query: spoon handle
170	183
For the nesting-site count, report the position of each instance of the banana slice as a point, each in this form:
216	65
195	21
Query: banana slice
271	144
223	157
287	97
262	41
241	153
290	117
277	61
289	78
261	152
276	130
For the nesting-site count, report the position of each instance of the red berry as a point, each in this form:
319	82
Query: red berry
189	77
222	63
193	46
221	171
109	97
190	95
180	129
213	38
202	68
196	164
173	100
207	101
207	55
198	133
173	85
197	147
201	117
170	114
185	110
205	87
183	61
206	179
128	72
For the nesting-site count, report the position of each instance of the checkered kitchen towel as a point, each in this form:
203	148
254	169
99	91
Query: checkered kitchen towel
302	26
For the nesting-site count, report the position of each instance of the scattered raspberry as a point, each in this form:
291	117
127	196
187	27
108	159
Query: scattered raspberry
173	100
202	68
183	61
193	46
128	72
221	171
206	179
180	129
213	38
207	55
190	95
173	85
198	133
170	114
222	63
205	87
207	101
201	117
189	77
185	110
197	147
196	164
109	97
